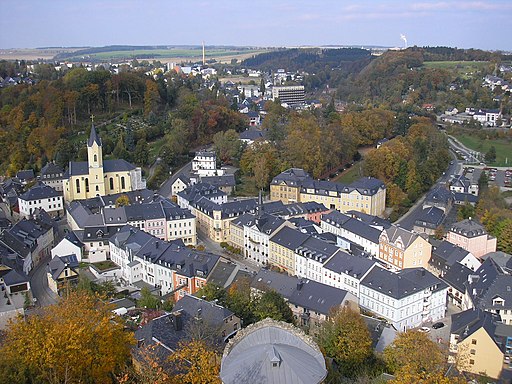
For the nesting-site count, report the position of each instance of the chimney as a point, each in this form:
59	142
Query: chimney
177	321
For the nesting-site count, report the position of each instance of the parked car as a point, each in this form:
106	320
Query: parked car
438	325
424	329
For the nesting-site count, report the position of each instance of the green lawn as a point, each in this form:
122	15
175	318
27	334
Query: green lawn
503	148
352	174
104	265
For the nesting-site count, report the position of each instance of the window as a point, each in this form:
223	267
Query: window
473	341
77	186
471	361
473	351
86	185
122	183
95	158
111	181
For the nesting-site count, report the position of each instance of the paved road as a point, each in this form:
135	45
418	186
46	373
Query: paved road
39	285
407	220
165	188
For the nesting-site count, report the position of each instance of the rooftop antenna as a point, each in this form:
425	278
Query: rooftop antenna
402	37
204	61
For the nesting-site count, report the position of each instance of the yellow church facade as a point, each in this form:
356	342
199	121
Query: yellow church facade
98	177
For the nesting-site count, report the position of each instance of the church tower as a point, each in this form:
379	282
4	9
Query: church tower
95	183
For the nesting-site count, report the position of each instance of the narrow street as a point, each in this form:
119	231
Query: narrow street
39	285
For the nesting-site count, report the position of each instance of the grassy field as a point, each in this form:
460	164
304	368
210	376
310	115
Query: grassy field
503	148
177	54
352	174
465	69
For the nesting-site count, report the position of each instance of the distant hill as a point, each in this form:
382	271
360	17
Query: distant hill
308	59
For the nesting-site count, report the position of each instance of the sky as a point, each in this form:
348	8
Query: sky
263	23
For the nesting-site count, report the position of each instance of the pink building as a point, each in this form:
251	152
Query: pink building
472	236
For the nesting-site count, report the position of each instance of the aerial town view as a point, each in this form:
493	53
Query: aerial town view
256	192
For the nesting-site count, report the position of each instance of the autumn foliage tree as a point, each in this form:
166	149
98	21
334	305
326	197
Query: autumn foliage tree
345	338
76	340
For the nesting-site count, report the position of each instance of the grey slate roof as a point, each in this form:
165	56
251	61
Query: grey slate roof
456	276
51	171
488	282
211	312
351	265
468	228
336	218
402	284
227	180
464	324
25	175
448	254
14	278
463	197
265	223
289	238
272	352
439	195
364	230
40	191
78	168
252	134
431	217
59	263
369	219
291	177
316	249
395	232
93	137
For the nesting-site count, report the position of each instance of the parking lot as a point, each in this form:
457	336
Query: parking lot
496	177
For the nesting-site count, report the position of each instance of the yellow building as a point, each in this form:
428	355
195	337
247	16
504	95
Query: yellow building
367	195
282	248
401	249
96	177
479	342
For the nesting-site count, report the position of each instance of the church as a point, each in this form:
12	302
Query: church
95	177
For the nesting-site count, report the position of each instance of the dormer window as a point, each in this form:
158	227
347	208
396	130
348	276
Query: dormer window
498	301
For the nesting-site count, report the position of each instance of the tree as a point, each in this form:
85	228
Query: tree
212	292
195	363
413	352
227	145
122	201
483	182
147	300
76	340
345	338
490	156
239	300
465	211
272	304
440	232
151	97
141	153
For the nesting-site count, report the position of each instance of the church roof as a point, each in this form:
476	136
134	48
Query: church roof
77	168
93	138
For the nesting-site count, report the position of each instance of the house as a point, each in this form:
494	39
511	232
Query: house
52	175
258	228
41	196
439	197
445	255
354	230
489	288
164	333
62	273
214	219
429	220
30	240
405	299
98	177
456	277
254	118
461	184
400	248
226	322
225	183
273	352
196	191
471	236
25	176
282	248
345	271
463	198
170	266
292	96
479	342
310	257
487	117
181	183
311	302
69	245
249	136
12	281
205	164
286	186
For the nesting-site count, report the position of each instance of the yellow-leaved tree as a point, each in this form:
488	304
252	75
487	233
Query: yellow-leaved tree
78	340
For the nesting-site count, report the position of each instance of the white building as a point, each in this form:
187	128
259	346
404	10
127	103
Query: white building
406	299
69	245
41	196
205	164
310	257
